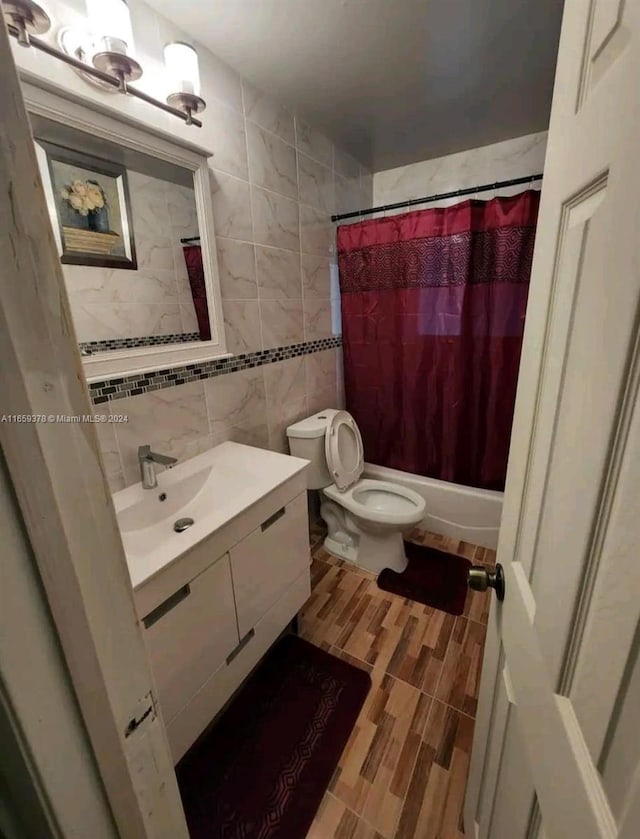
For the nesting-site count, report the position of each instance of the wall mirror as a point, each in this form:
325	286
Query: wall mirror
131	215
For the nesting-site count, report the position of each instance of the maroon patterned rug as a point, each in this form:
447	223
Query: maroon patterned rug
261	771
432	577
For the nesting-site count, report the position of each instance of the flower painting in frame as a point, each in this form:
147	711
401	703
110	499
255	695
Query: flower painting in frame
92	207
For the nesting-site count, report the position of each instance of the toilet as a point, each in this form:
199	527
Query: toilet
366	519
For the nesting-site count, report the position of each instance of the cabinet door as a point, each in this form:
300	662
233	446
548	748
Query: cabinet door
267	562
190	635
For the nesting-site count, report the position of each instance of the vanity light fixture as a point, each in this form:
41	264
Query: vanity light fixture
27	18
181	62
104	57
110	22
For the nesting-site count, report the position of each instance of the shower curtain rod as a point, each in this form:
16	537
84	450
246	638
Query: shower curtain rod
440	197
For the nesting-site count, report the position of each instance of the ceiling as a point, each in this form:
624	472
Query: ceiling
393	81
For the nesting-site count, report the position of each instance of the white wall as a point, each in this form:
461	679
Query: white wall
498	162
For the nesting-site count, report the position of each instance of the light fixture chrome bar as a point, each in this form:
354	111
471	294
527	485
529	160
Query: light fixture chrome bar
43	46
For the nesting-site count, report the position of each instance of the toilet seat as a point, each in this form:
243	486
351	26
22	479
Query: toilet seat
380	501
343	450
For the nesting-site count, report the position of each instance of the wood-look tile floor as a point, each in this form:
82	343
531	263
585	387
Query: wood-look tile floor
403	772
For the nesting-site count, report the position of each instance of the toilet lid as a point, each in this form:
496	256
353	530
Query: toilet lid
343	450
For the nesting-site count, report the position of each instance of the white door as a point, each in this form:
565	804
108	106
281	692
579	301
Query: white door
557	745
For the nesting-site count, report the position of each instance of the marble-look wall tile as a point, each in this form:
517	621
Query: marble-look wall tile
366	187
230	144
313	143
316	276
237	269
317	232
340	388
153	254
275	219
317	319
183	213
166	419
242	325
282	322
179	261
320	400
188	318
86	284
149	208
101	322
321	370
315	184
272	162
348	196
250	435
222	83
285	381
231	207
184	288
280	417
500	161
237	400
110	453
278	273
265	112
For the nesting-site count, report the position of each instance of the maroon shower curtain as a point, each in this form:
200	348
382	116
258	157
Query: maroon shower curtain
433	308
193	260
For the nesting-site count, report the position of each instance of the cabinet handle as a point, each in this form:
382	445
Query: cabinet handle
243	643
273	519
166	606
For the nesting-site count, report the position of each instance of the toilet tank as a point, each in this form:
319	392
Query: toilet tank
306	439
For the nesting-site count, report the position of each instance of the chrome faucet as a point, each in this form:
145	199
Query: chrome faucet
147	460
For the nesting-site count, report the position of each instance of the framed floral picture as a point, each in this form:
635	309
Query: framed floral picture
92	208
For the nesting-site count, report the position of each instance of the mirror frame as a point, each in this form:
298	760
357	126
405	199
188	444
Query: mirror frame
130	133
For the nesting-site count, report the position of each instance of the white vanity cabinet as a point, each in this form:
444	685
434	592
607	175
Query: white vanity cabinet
190	635
211	614
268	561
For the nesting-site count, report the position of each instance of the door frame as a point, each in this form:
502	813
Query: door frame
61	490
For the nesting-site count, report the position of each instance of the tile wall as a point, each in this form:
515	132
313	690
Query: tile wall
514	158
275	183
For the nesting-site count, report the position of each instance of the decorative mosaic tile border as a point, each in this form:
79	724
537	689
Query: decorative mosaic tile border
91	347
111	389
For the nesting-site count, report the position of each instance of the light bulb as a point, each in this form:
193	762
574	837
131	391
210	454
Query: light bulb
181	62
110	22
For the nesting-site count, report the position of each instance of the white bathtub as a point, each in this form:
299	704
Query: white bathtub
461	512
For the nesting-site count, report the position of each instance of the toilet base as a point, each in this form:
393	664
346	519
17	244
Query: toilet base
342	549
378	551
371	551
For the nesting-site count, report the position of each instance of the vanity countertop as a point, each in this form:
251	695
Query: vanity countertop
212	488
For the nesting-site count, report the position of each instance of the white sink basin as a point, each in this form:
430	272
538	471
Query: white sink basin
211	489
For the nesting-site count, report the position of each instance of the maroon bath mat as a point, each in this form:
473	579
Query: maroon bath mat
432	577
261	772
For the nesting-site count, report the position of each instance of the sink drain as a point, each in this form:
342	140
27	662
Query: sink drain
182	524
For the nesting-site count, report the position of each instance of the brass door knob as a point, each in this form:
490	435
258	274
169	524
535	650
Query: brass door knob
479	579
